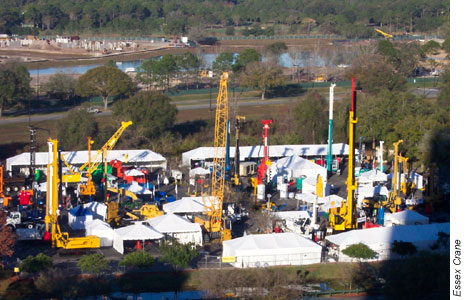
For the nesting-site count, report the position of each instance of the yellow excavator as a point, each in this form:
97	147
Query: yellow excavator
345	217
58	238
213	221
385	35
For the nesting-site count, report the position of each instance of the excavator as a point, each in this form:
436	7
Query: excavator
53	233
213	221
345	217
385	35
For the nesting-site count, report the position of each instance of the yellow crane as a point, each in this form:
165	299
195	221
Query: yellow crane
344	217
386	35
60	239
214	223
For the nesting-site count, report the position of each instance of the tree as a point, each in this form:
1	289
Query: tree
61	85
360	251
276	48
39	263
94	263
111	63
177	254
262	76
430	48
310	118
74	129
403	248
230	30
223	63
14	85
7	238
245	57
138	259
104	81
151	112
189	64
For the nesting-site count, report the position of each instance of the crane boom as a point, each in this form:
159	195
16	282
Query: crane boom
109	145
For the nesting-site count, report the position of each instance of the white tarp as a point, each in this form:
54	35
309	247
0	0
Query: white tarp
97	209
77	216
198	171
179	228
406	217
134	173
102	230
274	151
185	205
137	231
380	239
260	250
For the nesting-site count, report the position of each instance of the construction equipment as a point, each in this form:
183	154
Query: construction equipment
4	200
386	35
213	222
394	199
89	189
344	217
265	163
236	177
60	239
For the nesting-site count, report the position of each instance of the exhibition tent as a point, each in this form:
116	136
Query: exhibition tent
261	250
406	217
199	171
102	230
297	167
372	176
380	239
177	227
77	216
137	231
186	205
97	209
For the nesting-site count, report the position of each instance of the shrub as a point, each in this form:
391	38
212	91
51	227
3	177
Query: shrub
138	259
230	30
36	264
360	251
94	263
177	254
403	248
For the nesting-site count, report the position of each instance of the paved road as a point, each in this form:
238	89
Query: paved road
181	105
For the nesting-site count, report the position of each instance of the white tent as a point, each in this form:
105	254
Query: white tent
372	176
380	239
97	209
137	231
137	189
179	228
406	217
198	171
309	186
291	215
298	167
331	201
77	216
134	173
102	230
185	205
260	250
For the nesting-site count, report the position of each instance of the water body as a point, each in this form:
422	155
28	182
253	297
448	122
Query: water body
301	60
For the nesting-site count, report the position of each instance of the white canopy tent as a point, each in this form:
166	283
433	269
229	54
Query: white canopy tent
97	209
297	167
260	250
372	176
406	217
186	205
380	239
102	230
179	228
198	171
135	232
138	189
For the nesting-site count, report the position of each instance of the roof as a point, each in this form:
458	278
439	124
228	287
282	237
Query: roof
408	216
386	235
81	157
172	223
292	214
276	151
185	205
138	231
270	242
373	175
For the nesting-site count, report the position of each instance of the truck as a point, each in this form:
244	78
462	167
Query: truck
25	229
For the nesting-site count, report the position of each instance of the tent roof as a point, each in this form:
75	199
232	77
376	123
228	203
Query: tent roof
386	235
293	214
98	224
276	151
81	157
296	162
408	215
199	171
134	172
373	175
172	223
185	205
138	231
331	201
270	242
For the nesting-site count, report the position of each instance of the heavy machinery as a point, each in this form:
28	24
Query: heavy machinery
213	221
265	163
236	178
4	200
94	161
89	189
345	217
386	35
53	233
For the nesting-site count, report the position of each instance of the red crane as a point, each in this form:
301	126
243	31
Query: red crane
262	169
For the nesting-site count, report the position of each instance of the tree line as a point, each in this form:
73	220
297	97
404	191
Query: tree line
348	18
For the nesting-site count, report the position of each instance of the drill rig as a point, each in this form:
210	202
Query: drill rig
60	239
236	178
213	221
345	217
